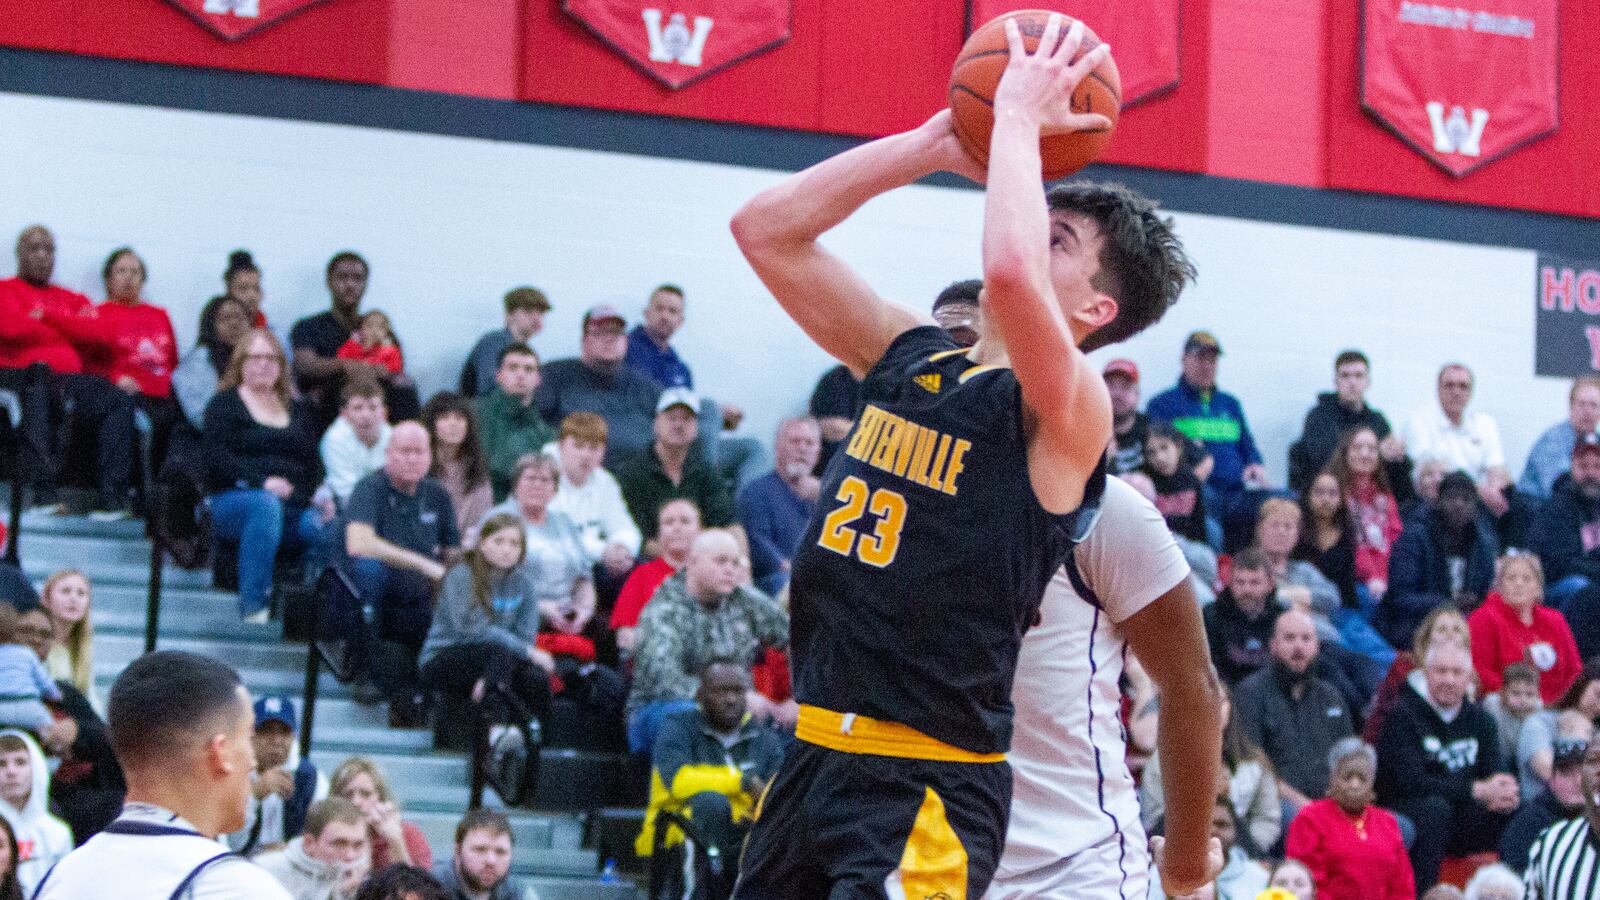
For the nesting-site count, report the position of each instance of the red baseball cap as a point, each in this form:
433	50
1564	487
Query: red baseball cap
1124	367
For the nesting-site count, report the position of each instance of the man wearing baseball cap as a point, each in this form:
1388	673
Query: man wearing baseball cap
1128	425
1561	798
283	786
598	381
1560	535
1215	418
669	469
525	311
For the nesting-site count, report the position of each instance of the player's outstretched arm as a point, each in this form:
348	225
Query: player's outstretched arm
778	231
1066	400
1169	639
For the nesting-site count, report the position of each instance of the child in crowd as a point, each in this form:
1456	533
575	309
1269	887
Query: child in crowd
42	839
1178	491
1517	699
374	342
1292	876
24	683
66	599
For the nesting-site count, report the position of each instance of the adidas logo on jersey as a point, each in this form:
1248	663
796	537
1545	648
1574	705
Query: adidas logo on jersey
928	382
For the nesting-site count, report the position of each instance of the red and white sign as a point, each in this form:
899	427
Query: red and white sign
234	19
1143	36
1463	82
679	42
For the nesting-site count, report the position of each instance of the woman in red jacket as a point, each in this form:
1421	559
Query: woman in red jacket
1352	847
143	351
1514	625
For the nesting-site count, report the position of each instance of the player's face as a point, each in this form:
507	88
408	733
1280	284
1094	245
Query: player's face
1075	245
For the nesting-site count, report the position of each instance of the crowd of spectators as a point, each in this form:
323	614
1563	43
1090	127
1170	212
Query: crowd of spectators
1403	626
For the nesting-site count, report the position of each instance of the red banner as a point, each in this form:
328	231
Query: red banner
234	19
1143	36
1463	86
679	42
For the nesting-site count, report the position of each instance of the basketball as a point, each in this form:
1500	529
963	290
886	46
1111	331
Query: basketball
977	73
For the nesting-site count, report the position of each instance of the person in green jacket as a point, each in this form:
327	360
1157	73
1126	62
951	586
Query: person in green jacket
508	420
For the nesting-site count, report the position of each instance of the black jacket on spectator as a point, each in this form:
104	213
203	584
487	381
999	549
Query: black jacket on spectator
1319	437
1558	534
1583	615
1422	755
88	788
1239	644
1419	573
15	588
1337	563
1181	499
242	453
838	393
1531	818
1295	734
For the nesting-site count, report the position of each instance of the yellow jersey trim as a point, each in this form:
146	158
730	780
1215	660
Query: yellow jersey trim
976	370
850	733
946	354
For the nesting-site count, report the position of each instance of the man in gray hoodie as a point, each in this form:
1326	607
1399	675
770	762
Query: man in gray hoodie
330	860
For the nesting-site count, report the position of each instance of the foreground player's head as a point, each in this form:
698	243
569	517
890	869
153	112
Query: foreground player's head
1139	265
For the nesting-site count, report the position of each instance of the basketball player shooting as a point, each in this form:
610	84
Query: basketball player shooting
965	481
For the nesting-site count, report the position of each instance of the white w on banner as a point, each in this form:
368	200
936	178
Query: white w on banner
1463	85
681	41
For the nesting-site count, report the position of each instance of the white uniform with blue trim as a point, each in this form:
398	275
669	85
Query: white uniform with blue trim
150	853
1075	828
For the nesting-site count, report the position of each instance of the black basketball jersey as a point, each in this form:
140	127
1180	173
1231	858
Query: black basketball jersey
928	554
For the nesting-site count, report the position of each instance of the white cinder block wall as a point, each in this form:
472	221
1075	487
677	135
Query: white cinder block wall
450	223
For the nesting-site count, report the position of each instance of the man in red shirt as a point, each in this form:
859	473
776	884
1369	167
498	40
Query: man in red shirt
45	332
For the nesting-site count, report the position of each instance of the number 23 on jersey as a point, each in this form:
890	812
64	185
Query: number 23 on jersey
841	534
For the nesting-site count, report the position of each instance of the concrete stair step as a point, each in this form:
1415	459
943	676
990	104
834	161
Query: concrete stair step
38	566
120	649
79	526
591	888
96	550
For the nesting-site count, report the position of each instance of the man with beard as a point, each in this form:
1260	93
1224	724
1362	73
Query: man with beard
481	867
1566	534
1562	798
1564	863
1293	715
319	372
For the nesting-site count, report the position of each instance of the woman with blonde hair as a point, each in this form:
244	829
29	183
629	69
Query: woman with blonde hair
393	840
261	464
1513	625
66	599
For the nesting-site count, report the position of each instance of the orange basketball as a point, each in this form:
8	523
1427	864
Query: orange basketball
977	73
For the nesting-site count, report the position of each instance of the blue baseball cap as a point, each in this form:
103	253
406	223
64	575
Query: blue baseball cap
278	708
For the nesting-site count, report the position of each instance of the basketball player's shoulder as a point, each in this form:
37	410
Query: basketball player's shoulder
1130	557
911	348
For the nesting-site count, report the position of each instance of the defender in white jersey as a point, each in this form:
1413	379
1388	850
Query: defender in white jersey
1075	830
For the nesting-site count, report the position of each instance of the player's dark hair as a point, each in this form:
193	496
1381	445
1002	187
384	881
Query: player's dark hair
348	256
483	819
1251	559
1351	356
398	881
965	291
516	348
670	288
239	261
162	699
1142	263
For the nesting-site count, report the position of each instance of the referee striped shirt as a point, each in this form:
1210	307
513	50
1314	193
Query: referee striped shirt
1564	863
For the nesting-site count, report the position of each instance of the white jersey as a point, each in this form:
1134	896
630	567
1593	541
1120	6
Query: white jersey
150	854
1071	787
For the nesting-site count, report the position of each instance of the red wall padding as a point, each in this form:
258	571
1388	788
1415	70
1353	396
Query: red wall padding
1269	89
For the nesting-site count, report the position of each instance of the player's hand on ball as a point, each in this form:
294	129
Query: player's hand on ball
948	155
1040	84
1183	877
